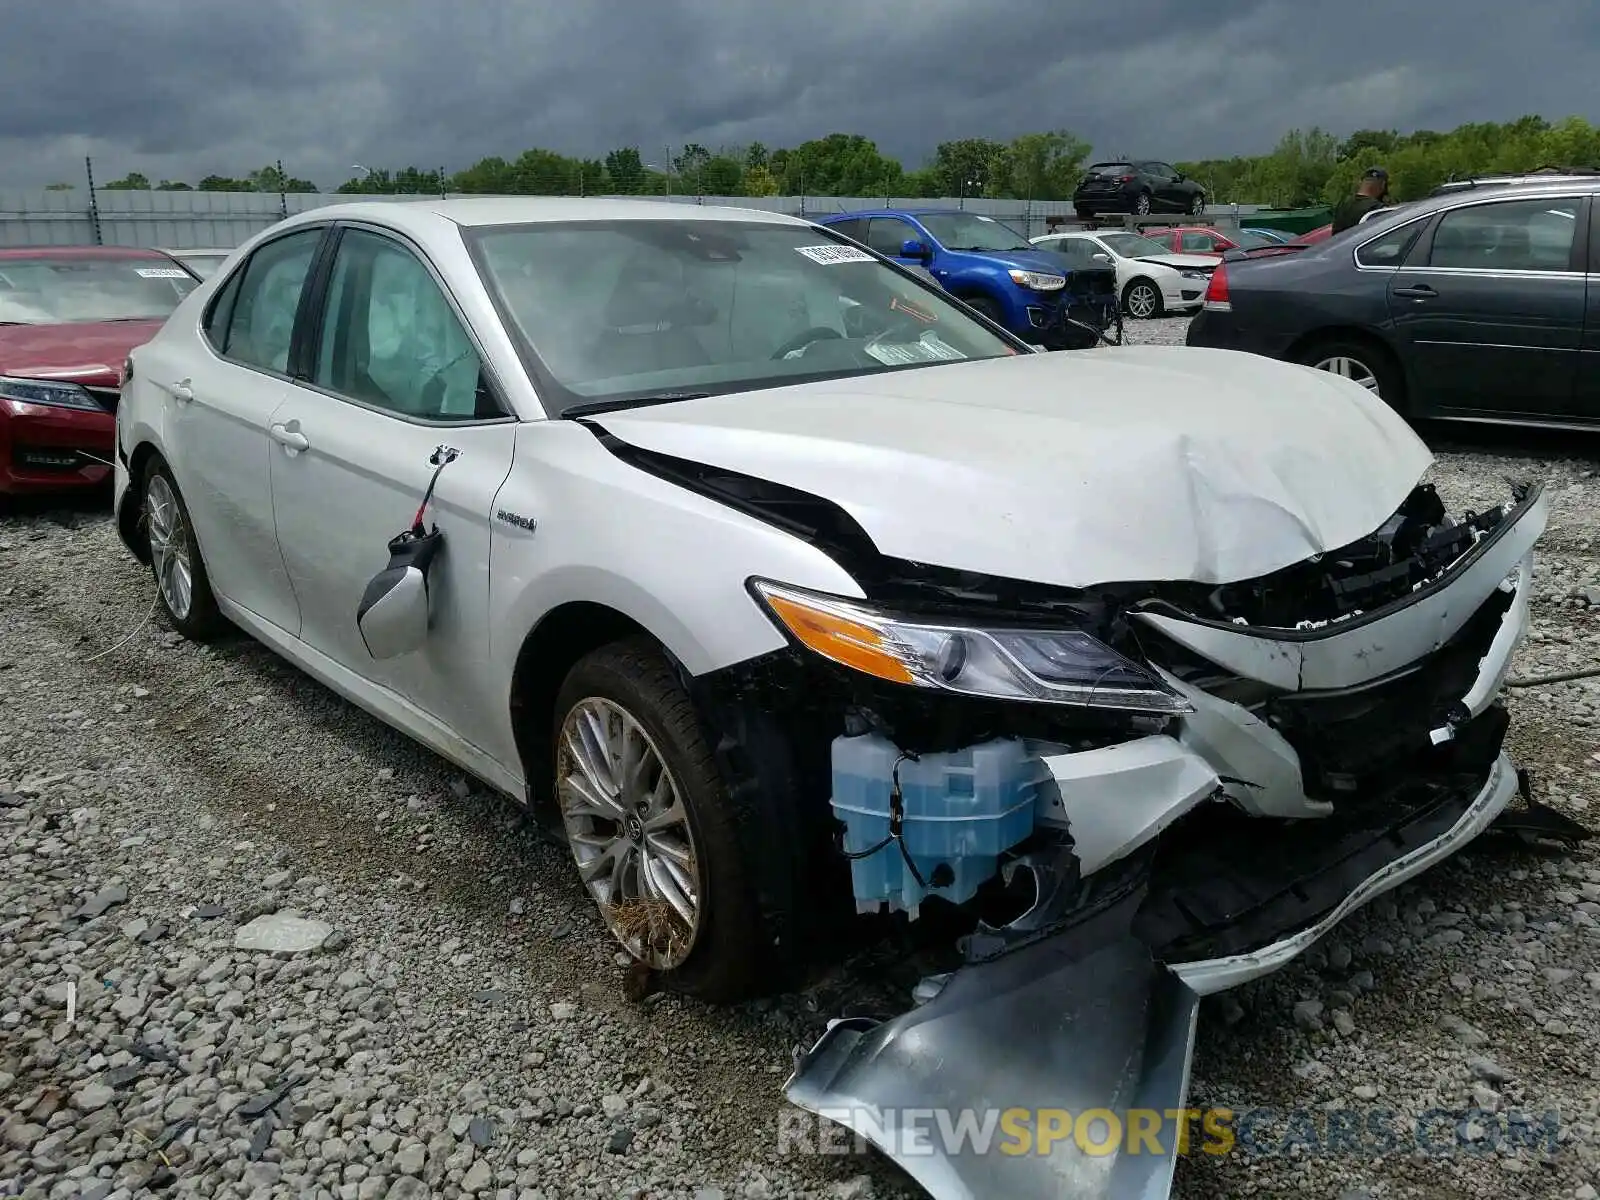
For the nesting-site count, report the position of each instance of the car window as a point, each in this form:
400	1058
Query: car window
854	229
74	286
613	310
1163	170
391	339
1198	242
1077	251
1517	235
887	234
1391	248
261	319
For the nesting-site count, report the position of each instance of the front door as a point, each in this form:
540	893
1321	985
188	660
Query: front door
223	401
394	376
1492	309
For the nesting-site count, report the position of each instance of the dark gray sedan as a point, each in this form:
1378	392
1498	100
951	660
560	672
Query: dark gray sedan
1480	305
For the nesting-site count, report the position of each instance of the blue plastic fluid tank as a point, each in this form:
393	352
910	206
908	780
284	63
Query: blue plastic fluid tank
962	809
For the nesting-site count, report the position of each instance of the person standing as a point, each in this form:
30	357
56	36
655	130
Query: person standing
1371	192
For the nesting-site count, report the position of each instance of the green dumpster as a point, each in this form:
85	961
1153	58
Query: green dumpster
1289	220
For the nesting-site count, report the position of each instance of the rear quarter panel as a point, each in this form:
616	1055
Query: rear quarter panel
1280	300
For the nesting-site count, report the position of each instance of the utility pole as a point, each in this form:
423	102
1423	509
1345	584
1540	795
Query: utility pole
283	201
94	205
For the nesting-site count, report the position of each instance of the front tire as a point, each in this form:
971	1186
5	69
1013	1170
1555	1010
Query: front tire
650	826
1197	206
183	589
1141	299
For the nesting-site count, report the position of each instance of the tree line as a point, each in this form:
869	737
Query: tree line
1307	166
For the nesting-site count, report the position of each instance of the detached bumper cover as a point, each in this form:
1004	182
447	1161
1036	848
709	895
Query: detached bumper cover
1014	1050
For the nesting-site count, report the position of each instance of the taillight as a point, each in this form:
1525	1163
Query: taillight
1217	298
1128	178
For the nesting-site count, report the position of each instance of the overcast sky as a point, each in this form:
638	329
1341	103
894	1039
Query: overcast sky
184	88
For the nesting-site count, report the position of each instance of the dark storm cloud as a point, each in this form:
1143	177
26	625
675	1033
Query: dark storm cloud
181	88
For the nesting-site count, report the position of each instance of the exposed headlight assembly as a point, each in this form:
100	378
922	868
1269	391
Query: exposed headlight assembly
49	392
1047	666
1038	280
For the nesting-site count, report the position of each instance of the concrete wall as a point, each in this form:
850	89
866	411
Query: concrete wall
185	220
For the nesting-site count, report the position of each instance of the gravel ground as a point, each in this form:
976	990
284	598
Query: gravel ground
461	1027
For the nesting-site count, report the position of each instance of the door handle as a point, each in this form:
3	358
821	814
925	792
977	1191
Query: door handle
290	439
1420	292
181	391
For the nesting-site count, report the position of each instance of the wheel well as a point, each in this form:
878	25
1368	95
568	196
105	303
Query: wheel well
1300	351
130	517
548	653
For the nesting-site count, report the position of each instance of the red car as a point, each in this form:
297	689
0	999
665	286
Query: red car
69	315
1192	239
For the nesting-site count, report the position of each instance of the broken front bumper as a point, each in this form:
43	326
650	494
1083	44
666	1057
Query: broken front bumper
1069	1042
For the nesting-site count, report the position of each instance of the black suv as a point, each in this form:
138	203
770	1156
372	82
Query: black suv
1137	186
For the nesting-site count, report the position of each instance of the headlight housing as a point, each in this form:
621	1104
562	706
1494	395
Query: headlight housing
51	393
1038	280
1056	666
1200	275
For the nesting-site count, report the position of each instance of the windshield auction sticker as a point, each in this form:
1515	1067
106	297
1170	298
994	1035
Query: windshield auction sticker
834	254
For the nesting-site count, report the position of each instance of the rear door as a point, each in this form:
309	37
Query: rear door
224	395
1489	307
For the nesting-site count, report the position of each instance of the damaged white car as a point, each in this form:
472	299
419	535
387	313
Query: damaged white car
791	590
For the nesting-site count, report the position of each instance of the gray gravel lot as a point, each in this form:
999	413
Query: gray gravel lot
460	1027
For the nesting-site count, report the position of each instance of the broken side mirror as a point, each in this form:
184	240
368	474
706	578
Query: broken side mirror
393	615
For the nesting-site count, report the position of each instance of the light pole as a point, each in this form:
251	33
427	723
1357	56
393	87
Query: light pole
666	172
359	167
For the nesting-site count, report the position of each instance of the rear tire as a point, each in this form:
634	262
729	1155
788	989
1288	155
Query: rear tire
1141	204
183	589
630	688
1141	300
1364	362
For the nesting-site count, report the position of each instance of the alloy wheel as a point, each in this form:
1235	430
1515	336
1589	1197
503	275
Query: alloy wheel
1142	301
1350	368
629	831
1141	206
1197	206
169	547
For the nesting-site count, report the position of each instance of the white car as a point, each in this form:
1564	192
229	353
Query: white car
1151	279
204	263
792	592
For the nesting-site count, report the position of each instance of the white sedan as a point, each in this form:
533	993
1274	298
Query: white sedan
1152	280
790	591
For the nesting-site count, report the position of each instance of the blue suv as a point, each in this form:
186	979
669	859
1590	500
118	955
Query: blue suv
976	258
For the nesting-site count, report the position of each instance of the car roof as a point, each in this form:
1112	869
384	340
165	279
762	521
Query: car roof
1401	214
856	214
427	216
86	252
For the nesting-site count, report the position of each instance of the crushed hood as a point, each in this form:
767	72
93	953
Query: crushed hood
89	352
1133	463
1181	262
